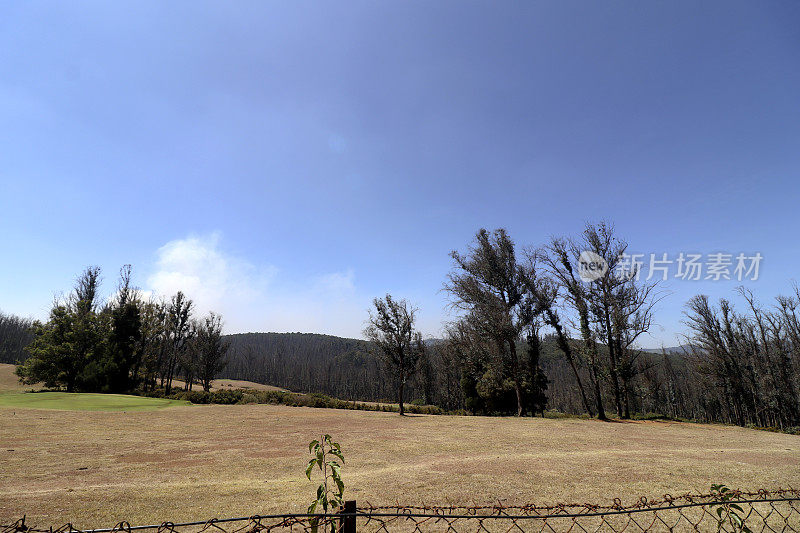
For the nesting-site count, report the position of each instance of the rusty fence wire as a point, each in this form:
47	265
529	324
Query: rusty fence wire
775	510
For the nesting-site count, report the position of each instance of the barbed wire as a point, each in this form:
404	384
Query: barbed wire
763	510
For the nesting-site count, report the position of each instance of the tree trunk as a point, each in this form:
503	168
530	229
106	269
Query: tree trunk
563	343
626	399
601	412
400	394
612	357
591	348
515	370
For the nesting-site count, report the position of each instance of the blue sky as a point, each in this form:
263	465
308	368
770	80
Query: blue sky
285	162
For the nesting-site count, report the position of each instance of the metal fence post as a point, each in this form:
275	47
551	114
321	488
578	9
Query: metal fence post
347	523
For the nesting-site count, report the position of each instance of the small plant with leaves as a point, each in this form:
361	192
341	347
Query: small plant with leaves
730	516
326	455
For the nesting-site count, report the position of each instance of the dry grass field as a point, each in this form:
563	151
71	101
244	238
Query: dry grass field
95	468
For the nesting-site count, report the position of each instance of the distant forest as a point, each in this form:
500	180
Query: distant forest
15	334
669	383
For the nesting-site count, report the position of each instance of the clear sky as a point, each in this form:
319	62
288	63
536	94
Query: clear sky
285	162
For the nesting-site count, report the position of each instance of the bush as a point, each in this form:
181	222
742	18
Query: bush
425	409
656	416
248	398
292	399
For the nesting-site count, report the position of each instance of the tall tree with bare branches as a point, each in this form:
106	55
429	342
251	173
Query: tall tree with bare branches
561	259
390	328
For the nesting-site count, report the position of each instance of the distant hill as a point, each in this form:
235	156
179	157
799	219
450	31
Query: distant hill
308	362
670	350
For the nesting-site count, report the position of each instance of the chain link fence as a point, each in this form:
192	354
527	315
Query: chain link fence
736	511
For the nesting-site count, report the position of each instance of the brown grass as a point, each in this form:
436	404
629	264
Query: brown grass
98	468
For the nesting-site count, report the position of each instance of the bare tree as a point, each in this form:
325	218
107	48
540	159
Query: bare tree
545	294
631	313
561	259
391	330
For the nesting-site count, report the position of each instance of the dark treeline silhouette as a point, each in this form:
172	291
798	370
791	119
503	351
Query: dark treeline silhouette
309	362
749	361
15	334
123	344
675	383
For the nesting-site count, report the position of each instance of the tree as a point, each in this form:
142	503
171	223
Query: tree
120	361
52	360
631	312
212	350
536	381
749	360
177	335
480	361
602	295
151	344
490	286
425	368
65	350
89	330
544	293
562	260
391	330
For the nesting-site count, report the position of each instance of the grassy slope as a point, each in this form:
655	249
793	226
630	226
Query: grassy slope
96	468
9	382
84	401
13	395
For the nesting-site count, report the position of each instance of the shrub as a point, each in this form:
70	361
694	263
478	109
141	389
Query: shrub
248	398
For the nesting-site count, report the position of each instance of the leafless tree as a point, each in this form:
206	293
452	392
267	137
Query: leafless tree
561	259
391	330
544	293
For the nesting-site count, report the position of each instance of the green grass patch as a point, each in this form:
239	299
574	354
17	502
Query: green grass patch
85	401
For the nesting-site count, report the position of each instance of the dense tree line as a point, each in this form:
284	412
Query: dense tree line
124	343
749	361
15	334
309	362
